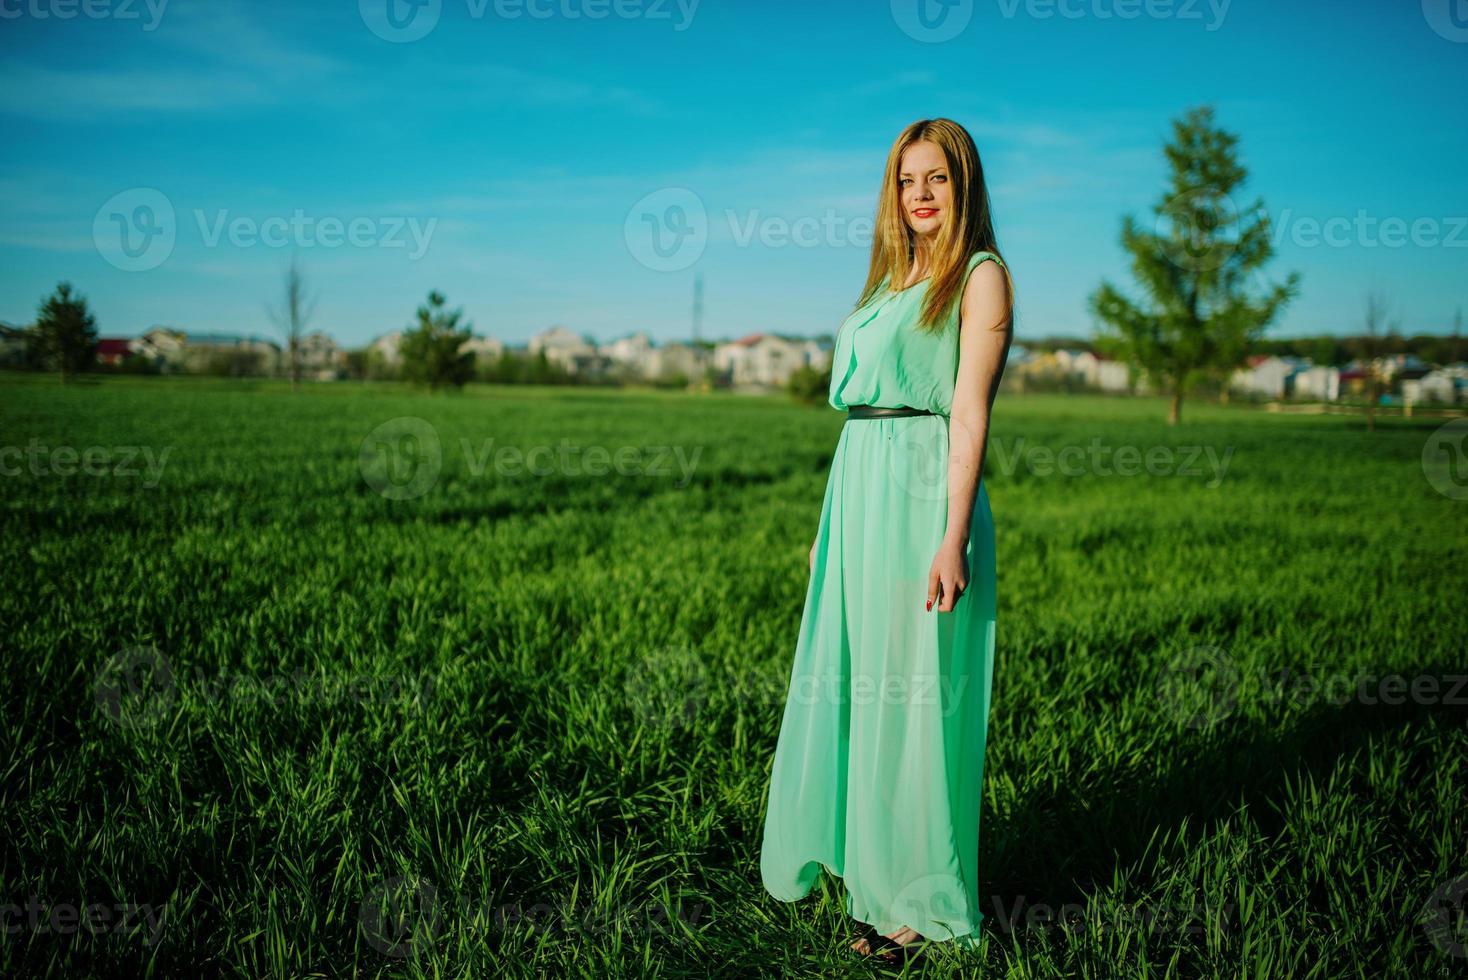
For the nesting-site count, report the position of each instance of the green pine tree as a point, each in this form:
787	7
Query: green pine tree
431	351
64	338
1198	321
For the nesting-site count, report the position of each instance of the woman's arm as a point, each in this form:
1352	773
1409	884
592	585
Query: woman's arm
984	335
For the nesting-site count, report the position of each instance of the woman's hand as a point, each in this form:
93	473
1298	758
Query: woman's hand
949	575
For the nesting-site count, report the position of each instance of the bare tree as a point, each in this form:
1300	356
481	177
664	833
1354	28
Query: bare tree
293	318
1376	316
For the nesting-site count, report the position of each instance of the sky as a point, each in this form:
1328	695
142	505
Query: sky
579	162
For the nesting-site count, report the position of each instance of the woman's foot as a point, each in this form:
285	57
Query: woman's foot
888	950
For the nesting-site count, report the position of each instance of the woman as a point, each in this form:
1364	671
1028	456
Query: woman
877	768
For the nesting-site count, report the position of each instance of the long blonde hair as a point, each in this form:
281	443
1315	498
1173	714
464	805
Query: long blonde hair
969	228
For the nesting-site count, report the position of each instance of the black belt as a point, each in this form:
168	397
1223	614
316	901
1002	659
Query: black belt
882	412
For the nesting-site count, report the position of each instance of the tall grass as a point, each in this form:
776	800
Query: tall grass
264	719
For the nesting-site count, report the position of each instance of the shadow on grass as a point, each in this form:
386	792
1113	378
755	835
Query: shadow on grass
1060	847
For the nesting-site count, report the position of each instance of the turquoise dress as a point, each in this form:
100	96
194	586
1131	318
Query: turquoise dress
880	758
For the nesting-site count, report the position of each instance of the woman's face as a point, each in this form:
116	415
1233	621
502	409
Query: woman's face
926	192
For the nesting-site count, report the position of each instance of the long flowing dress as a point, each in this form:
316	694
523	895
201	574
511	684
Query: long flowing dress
879	762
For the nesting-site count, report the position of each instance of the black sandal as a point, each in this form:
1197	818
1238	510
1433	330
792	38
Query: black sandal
885	947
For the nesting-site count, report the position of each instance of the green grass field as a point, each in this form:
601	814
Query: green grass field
290	692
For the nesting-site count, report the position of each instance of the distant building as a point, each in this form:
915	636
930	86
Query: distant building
387	347
1447	386
1269	375
485	349
1099	371
321	358
633	350
114	350
1319	382
13	344
564	348
767	359
193	351
667	360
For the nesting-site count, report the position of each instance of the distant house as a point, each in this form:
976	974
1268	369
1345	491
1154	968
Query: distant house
1100	371
1269	375
163	345
321	358
632	350
1399	367
667	360
195	351
484	349
388	347
1447	386
767	359
1320	382
114	350
14	346
202	349
561	347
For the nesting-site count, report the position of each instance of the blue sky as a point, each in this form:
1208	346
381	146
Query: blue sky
510	155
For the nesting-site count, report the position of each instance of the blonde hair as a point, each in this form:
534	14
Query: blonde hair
969	228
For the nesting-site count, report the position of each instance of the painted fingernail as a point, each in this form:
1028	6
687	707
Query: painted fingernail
930	605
